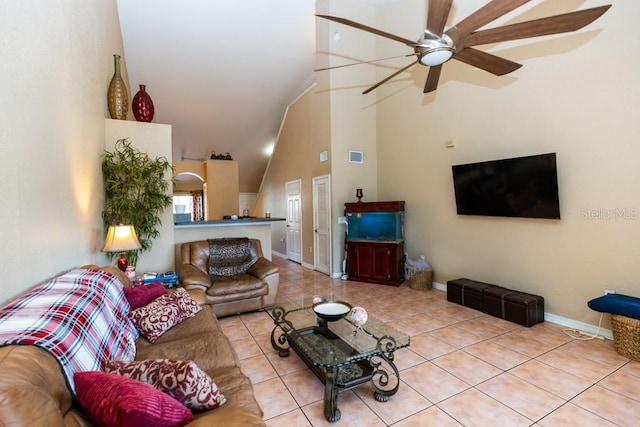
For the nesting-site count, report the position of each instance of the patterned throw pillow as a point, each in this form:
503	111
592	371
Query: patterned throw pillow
230	256
180	379
113	400
143	295
163	313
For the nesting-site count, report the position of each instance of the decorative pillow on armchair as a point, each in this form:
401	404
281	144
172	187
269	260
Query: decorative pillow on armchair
113	400
163	313
230	256
180	379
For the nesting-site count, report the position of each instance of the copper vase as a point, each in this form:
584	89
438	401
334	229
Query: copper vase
142	105
117	96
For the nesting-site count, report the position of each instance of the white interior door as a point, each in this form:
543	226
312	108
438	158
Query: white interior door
293	190
322	223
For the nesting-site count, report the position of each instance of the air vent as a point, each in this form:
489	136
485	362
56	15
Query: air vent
356	157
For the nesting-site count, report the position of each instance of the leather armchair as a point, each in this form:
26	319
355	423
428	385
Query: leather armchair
229	294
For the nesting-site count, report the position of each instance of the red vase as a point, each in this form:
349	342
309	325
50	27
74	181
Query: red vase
142	105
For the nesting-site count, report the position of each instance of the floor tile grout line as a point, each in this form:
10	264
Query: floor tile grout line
342	290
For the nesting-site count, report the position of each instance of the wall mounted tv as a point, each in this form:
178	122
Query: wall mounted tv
525	187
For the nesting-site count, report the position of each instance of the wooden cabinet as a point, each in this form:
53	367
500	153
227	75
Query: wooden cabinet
375	242
375	262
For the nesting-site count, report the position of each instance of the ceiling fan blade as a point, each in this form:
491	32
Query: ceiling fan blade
438	14
363	62
432	79
386	79
486	14
486	61
564	23
369	29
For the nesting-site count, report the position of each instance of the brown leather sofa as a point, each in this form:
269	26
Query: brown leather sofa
33	391
235	293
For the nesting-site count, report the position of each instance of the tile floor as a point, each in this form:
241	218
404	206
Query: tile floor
463	368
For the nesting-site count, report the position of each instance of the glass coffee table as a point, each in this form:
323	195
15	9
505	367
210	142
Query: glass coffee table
340	354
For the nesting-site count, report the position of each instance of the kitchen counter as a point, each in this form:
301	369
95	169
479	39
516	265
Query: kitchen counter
256	228
227	222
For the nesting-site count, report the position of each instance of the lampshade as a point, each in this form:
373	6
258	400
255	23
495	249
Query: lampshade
121	238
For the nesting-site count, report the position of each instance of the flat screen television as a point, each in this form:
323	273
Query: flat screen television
525	187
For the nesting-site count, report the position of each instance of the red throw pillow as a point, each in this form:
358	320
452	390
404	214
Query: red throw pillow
113	400
166	311
181	379
139	296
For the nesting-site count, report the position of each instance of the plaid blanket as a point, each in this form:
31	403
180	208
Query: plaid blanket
79	317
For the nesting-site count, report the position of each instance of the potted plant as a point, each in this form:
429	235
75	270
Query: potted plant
135	192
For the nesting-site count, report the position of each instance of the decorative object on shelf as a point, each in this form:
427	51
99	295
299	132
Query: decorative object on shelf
267	214
215	156
122	239
358	316
136	191
359	194
331	311
117	95
142	105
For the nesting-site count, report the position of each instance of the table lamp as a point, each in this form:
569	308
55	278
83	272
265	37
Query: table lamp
121	238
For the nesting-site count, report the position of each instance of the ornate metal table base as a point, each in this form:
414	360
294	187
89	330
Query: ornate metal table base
282	339
379	368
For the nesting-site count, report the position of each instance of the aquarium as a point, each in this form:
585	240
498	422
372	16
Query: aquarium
376	226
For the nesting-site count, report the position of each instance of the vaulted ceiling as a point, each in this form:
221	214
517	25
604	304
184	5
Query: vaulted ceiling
221	72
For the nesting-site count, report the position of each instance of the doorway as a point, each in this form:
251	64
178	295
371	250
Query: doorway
322	224
293	190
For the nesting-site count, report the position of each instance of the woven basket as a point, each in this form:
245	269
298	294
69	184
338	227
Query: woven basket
626	336
421	279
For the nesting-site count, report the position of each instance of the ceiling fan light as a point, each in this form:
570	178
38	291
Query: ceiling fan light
434	50
436	56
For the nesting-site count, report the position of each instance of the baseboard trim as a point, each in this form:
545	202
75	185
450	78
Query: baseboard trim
549	317
559	320
278	254
577	325
304	264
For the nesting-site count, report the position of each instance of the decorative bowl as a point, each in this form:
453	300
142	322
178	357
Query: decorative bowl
332	310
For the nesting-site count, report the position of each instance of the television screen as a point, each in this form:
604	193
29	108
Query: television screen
518	187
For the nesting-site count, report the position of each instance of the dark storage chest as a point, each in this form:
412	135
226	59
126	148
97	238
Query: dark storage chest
493	301
514	306
467	292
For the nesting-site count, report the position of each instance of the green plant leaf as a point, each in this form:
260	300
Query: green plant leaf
135	192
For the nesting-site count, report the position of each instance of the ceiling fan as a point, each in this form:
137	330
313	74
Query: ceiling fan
437	46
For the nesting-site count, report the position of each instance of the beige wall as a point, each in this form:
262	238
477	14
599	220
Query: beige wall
222	189
303	135
335	121
576	95
191	167
353	115
573	97
57	64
